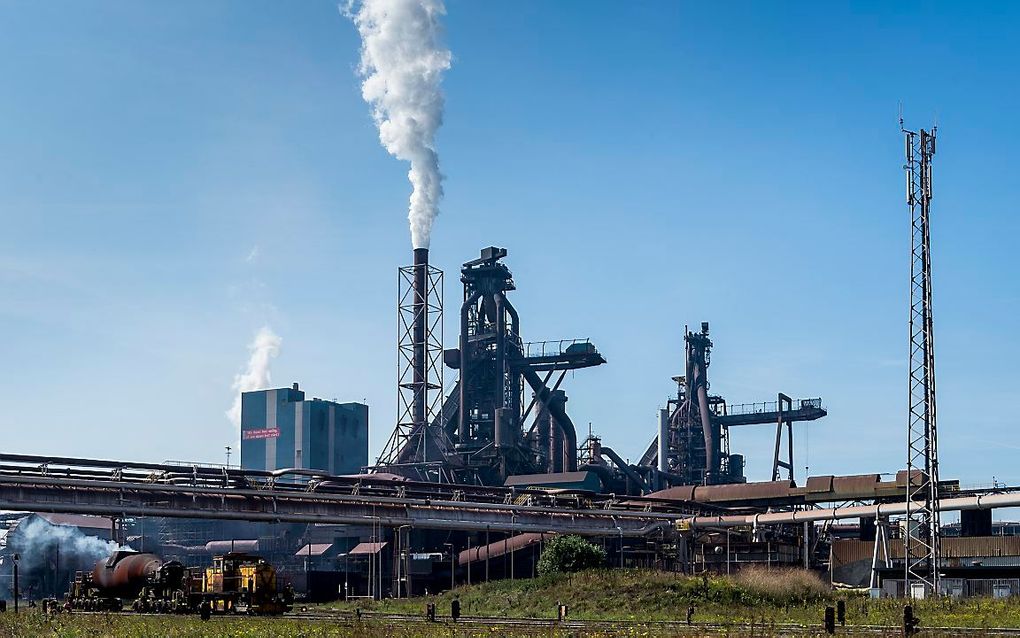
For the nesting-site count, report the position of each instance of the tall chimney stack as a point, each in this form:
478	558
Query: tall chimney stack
419	352
418	330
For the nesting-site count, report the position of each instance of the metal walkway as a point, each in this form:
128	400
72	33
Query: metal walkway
768	412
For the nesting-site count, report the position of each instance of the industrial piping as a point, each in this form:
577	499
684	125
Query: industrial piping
977	502
462	433
559	413
504	379
499	416
624	467
663	441
711	444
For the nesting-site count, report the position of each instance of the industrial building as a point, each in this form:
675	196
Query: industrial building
281	429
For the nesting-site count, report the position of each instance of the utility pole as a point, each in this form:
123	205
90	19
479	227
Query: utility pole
17	592
923	535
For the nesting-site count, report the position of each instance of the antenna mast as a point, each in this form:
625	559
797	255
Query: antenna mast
923	534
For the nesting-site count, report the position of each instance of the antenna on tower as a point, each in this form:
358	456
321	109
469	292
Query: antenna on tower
923	535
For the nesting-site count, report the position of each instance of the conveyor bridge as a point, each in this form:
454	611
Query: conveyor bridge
119	489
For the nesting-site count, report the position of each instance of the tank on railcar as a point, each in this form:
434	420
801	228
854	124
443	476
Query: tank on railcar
145	580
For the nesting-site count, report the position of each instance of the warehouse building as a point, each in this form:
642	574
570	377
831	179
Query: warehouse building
280	429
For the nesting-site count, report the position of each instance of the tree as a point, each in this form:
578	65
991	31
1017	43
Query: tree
565	554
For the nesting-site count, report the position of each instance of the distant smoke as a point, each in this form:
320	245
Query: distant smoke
264	347
40	542
402	63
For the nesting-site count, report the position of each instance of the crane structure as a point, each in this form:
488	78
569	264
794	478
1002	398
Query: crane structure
923	530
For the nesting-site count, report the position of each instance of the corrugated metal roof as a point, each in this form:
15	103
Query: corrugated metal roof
901	477
77	520
981	546
367	548
729	492
856	484
818	489
1000	550
316	549
819	483
745	491
845	551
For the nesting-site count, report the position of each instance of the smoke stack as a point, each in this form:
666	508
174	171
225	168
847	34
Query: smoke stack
418	329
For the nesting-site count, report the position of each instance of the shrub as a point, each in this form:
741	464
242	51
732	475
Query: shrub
564	554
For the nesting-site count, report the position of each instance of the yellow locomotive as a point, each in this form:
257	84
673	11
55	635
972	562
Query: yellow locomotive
241	583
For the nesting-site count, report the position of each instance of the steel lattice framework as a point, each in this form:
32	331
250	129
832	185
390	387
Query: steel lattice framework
922	537
419	364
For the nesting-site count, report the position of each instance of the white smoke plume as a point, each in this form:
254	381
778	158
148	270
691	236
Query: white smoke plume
40	541
402	63
264	347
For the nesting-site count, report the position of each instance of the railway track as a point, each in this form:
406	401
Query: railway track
673	627
653	627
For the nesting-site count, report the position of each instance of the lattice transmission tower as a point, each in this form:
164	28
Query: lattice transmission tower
923	533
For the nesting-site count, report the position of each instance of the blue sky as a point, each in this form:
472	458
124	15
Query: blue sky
646	164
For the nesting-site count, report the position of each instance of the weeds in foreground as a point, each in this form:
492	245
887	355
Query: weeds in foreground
34	624
760	596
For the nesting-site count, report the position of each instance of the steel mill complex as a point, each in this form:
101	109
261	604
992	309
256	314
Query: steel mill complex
478	474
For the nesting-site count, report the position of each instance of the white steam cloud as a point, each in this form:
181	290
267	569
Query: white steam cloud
264	347
402	63
39	540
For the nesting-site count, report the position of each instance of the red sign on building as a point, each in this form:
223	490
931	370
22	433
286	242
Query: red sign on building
268	433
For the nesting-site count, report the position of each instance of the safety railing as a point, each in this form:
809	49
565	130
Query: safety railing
769	406
560	347
208	466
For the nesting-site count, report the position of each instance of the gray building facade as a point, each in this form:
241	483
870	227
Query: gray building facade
280	429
